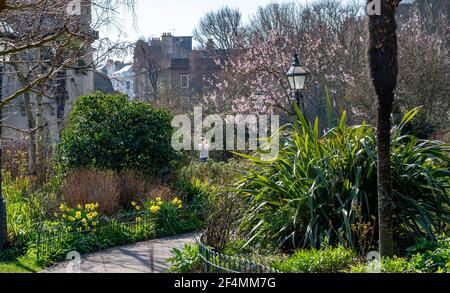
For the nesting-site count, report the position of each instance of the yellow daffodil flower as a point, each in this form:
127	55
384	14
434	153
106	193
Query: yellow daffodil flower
155	209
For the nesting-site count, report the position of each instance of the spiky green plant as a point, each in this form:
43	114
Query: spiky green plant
308	194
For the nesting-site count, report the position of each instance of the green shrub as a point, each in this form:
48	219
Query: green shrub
170	217
388	265
193	190
431	256
327	260
214	173
310	191
25	208
186	260
110	132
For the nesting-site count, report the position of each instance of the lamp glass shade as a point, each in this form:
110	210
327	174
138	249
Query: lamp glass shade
297	77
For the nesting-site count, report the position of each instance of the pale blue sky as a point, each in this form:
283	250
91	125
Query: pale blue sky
158	16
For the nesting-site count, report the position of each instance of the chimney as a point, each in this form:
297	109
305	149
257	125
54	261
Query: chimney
210	45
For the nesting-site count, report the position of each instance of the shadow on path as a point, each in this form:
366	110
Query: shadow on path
144	257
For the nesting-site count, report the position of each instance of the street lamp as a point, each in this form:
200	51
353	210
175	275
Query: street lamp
297	80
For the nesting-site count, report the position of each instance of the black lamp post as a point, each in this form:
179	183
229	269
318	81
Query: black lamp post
297	80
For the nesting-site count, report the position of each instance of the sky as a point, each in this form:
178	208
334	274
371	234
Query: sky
155	17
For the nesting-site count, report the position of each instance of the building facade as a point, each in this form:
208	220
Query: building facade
168	69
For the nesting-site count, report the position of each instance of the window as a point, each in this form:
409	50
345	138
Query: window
185	81
128	85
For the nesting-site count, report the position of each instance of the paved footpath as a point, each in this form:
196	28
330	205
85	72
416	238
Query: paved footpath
136	258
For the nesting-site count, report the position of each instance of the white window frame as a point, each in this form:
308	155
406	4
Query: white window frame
184	84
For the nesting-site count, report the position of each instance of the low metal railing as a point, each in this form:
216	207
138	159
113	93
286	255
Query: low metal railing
56	241
215	262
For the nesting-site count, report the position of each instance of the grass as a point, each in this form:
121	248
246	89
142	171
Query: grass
20	265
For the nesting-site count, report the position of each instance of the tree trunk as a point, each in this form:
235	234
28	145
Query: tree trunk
3	226
385	199
383	61
61	97
40	140
32	135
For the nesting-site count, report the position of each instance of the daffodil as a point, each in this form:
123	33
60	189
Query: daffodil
155	209
62	207
72	219
176	201
138	219
94	223
90	207
78	215
79	206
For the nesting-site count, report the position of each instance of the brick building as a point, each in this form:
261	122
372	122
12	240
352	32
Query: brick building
168	68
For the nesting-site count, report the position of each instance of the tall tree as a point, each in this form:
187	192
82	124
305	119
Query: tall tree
223	27
148	67
383	62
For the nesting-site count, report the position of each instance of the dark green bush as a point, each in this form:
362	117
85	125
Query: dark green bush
313	189
110	132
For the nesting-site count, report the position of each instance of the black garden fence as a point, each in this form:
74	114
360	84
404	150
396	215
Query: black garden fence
215	262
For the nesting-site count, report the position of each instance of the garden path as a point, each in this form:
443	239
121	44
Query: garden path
135	258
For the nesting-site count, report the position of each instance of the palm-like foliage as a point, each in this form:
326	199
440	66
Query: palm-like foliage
311	191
